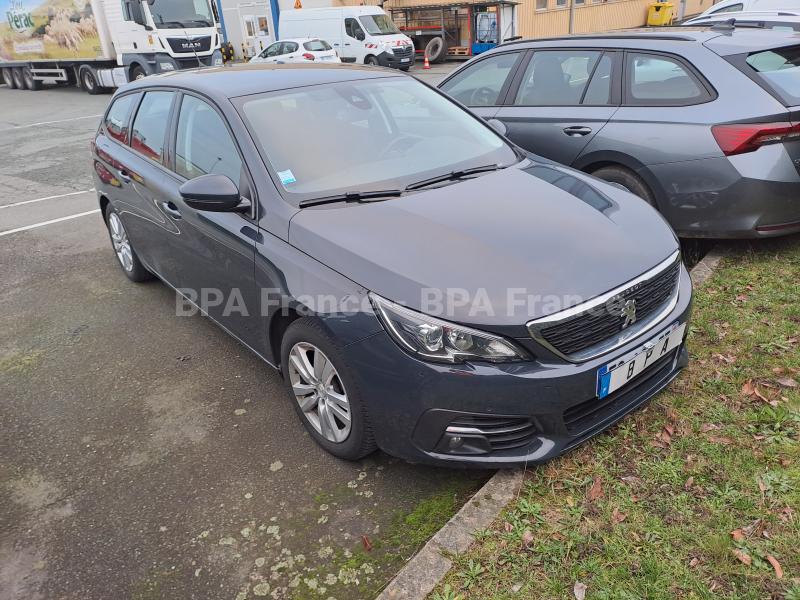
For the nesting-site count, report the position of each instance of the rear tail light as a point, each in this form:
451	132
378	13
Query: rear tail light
308	56
746	137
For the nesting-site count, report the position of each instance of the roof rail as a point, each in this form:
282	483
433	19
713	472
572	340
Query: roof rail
600	36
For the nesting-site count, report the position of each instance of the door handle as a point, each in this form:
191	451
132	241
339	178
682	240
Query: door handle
171	210
577	131
347	43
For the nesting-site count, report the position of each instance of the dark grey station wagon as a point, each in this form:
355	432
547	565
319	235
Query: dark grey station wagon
423	286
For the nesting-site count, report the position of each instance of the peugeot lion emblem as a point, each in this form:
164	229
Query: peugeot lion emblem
628	312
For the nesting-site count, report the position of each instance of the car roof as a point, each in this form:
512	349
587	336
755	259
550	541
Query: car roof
231	81
721	41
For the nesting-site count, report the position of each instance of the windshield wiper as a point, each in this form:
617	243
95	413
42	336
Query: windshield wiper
453	176
371	196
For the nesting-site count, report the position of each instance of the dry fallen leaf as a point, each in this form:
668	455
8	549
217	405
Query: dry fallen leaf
366	543
618	517
527	537
775	565
579	590
743	556
596	491
787	382
694	562
508	527
737	535
709	427
747	388
689	483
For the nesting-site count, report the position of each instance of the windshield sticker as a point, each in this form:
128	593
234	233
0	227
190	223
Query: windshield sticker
287	177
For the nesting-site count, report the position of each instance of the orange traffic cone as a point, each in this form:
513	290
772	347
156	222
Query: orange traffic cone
426	64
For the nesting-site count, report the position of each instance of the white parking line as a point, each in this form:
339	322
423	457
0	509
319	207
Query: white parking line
47	198
43	223
50	122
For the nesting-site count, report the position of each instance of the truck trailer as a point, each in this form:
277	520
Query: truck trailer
102	44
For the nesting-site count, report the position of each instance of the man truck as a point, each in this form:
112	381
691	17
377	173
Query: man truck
102	44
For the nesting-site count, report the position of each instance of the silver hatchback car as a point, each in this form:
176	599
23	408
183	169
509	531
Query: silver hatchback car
702	123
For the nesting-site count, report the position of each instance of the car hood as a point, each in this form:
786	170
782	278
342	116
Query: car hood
499	249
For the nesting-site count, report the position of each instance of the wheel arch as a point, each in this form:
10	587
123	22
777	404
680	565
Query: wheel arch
278	325
589	163
104	202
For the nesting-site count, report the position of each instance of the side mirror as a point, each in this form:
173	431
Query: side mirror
498	126
216	193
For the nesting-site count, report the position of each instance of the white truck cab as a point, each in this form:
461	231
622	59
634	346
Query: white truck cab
359	34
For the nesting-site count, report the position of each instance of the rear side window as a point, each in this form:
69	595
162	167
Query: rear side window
317	46
480	83
727	9
117	117
780	69
150	125
560	78
658	80
204	144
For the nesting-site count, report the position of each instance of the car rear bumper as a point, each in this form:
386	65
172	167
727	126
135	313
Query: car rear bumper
748	196
504	414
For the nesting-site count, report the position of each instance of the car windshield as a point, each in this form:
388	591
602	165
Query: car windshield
372	134
780	68
378	24
173	14
317	46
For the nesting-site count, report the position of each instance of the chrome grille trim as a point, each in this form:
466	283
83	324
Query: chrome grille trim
536	326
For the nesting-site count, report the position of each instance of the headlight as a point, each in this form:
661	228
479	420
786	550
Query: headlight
438	340
389	49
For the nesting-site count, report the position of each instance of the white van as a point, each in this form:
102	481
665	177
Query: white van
749	5
359	34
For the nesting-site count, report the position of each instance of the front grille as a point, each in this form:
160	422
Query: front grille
194	62
502	433
190	45
403	51
593	327
587	415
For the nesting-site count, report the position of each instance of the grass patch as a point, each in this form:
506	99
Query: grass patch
696	496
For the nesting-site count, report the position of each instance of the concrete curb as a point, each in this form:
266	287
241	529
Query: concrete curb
423	572
426	569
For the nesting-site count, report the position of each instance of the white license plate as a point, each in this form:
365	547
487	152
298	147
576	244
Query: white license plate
613	376
327	58
405	60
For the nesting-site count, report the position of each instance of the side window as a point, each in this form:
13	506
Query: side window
117	117
661	80
150	125
557	77
353	29
289	47
204	144
599	90
480	83
726	9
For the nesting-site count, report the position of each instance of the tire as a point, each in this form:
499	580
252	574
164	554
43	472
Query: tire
371	60
436	50
627	179
89	82
307	337
137	72
30	83
8	79
127	258
19	82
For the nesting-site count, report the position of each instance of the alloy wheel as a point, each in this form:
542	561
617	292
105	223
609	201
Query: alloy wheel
119	237
319	391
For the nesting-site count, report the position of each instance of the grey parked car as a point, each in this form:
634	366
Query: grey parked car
703	124
423	286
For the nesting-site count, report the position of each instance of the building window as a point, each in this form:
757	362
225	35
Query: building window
561	3
541	4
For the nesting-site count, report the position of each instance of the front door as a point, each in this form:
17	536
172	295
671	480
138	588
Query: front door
353	41
560	100
217	248
483	84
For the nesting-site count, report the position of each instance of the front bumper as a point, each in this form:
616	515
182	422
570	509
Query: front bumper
505	414
396	60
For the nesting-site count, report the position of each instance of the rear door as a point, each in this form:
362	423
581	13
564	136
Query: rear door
560	100
482	84
141	176
290	52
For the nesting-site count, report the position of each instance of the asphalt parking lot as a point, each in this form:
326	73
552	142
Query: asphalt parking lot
145	455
